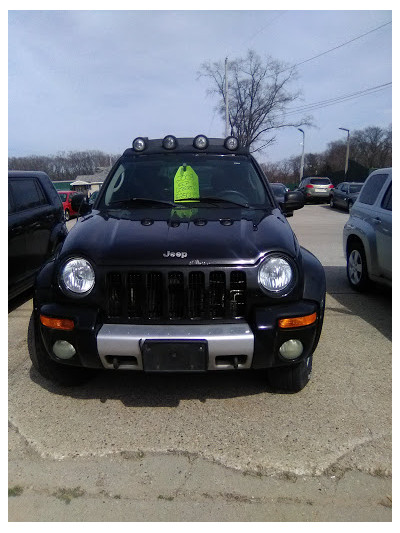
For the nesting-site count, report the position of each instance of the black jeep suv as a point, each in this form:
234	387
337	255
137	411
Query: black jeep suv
185	263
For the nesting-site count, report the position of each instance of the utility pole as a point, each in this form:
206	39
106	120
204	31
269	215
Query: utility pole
227	132
302	156
346	165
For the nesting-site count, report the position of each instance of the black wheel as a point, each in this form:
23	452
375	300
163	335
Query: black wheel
66	214
350	204
331	202
357	271
291	378
49	369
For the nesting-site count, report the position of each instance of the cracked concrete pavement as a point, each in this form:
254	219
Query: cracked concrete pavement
215	447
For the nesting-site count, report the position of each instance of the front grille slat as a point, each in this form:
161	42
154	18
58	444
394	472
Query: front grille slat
175	295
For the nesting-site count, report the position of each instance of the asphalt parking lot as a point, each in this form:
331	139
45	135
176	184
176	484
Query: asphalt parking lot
131	447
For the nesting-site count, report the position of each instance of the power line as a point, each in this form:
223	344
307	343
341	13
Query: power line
336	47
336	100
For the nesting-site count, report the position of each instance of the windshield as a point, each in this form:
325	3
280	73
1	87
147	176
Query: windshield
181	178
320	181
356	187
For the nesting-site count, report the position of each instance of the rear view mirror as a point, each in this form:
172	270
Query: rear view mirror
80	204
293	200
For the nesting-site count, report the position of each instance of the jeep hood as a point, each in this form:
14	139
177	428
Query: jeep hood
180	237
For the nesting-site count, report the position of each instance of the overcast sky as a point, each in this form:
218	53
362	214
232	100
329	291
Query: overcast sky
95	80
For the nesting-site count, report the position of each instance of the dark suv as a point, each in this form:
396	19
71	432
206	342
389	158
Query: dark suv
35	227
185	263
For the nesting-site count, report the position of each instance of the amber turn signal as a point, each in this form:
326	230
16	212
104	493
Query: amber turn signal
298	321
57	323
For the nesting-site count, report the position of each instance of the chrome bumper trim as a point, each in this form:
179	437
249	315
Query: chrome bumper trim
125	340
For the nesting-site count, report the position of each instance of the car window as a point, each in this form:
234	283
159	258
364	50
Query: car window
372	188
320	181
387	199
356	187
63	196
10	201
27	193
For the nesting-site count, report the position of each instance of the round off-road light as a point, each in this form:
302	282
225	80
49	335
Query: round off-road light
139	144
200	142
291	349
169	142
231	143
63	349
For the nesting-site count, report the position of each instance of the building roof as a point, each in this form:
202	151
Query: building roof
98	177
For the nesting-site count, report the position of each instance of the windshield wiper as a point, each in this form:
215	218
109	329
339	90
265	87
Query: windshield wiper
142	201
212	200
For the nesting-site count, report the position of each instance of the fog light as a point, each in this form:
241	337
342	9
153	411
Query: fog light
63	350
291	349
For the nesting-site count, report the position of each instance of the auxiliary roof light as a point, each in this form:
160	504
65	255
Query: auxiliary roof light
200	142
139	144
231	143
170	142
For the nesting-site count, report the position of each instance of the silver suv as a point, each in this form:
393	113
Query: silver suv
367	235
316	189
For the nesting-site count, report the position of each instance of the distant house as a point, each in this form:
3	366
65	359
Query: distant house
89	184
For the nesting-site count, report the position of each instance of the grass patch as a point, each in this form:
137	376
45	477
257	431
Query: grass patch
67	495
15	491
167	498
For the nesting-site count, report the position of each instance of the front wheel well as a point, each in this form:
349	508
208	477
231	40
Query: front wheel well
353	239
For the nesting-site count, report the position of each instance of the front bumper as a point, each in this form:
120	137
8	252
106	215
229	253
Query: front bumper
243	344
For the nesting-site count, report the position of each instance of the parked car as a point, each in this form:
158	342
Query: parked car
367	235
345	194
195	270
315	189
65	197
36	227
93	197
279	190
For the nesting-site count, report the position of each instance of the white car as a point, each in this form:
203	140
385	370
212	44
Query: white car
367	235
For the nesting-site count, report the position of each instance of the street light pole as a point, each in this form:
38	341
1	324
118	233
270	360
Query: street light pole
346	165
302	156
226	100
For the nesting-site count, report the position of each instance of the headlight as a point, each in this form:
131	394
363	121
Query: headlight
170	142
231	143
77	276
275	274
139	144
200	142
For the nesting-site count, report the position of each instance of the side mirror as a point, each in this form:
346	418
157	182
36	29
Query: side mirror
80	204
293	200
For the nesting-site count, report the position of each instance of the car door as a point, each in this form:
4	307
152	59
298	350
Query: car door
36	212
16	243
341	195
383	221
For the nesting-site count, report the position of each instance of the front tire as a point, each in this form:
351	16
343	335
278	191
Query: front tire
357	271
291	378
49	369
331	202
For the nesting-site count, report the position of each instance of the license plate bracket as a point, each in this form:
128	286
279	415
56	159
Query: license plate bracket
175	356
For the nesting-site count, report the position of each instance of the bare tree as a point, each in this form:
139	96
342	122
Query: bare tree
258	97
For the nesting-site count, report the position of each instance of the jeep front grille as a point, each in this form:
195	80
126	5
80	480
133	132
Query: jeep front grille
175	295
